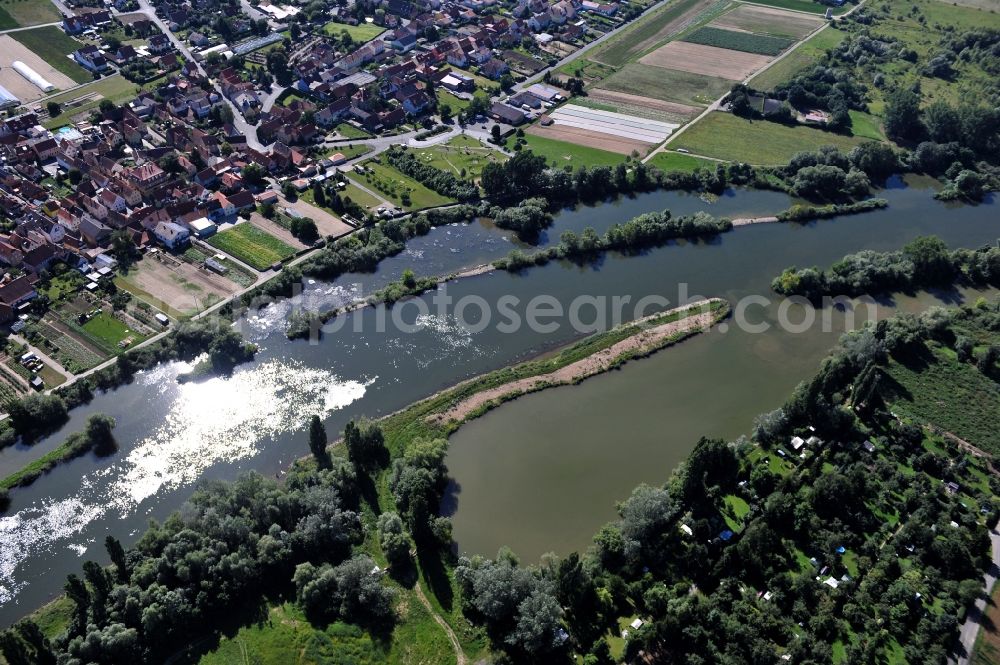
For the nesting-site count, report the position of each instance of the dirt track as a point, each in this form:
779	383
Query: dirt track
647	340
590	138
706	60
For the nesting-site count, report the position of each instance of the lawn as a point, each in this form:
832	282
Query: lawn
804	56
972	410
676	161
349	131
724	136
53	45
668	85
359	33
256	248
561	153
461	153
359	196
116	88
23	13
393	185
349	151
866	126
109	331
746	42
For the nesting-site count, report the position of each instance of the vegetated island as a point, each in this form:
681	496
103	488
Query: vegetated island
594	355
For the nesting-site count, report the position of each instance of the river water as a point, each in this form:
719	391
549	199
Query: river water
539	474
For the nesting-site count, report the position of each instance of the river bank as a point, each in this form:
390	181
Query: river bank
174	435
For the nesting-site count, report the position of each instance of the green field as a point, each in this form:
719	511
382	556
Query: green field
252	246
972	410
116	88
359	33
53	45
24	13
288	637
866	126
667	84
676	161
804	6
350	131
562	153
392	184
461	153
641	36
724	136
739	41
109	331
807	54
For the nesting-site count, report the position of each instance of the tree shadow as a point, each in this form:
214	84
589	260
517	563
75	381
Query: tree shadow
432	564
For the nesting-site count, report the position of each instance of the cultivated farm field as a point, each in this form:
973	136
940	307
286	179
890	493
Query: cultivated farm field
739	41
23	13
805	55
53	45
252	246
705	60
768	21
669	85
649	31
589	138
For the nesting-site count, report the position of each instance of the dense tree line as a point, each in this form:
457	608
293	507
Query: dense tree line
234	545
926	262
442	182
647	230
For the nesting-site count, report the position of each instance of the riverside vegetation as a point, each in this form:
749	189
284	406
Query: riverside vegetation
758	531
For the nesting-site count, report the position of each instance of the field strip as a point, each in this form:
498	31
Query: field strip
612	96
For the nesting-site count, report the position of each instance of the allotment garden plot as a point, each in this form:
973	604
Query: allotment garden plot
605	130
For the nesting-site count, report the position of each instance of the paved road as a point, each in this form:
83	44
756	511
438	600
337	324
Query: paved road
970	629
248	130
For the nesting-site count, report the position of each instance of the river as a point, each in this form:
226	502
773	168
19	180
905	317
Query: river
544	481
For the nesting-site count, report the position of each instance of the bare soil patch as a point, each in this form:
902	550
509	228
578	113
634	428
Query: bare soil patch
624	98
706	60
768	21
326	223
181	286
25	90
647	340
589	138
666	30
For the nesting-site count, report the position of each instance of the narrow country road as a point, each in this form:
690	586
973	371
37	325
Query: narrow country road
973	622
